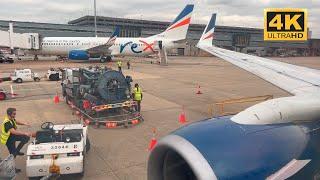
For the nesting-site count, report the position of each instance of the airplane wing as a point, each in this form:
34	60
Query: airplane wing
105	47
291	78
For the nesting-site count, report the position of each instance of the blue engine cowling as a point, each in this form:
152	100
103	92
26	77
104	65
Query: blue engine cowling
78	55
219	148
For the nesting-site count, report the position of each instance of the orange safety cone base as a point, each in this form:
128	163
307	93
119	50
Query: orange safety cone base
152	144
56	99
199	91
182	118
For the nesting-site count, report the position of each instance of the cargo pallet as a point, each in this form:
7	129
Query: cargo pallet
117	119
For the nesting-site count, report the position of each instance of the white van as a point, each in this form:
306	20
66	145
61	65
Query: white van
21	75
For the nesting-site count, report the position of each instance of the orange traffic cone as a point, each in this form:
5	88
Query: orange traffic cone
199	91
153	141
56	99
182	117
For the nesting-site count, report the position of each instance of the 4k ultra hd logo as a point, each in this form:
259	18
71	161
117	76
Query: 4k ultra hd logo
285	24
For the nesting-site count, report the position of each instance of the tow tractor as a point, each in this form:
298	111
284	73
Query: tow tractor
57	150
54	74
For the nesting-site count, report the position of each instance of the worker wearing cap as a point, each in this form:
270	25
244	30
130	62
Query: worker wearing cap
119	63
137	96
10	134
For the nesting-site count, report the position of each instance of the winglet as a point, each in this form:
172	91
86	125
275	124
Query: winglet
208	32
114	36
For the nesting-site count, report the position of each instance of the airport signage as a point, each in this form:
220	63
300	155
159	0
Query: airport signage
285	24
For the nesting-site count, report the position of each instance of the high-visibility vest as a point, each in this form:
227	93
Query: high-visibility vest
119	63
5	135
137	94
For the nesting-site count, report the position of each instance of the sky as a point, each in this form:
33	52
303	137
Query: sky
243	13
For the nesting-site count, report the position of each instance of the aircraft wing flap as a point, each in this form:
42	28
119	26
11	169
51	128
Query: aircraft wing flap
291	78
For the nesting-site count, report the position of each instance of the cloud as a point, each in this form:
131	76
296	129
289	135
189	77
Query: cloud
230	12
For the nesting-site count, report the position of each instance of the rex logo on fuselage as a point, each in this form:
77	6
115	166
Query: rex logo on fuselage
134	46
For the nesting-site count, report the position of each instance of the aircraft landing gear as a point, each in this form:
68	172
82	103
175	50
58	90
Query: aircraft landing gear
104	59
36	58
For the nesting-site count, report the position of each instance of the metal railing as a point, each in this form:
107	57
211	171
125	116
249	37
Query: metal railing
218	108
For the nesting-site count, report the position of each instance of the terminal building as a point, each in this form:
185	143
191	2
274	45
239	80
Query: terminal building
248	40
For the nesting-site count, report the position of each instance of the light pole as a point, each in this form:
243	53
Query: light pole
95	18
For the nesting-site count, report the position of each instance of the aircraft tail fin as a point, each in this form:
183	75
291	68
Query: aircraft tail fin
114	36
208	33
179	27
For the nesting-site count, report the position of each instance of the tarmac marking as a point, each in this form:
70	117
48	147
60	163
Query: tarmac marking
137	75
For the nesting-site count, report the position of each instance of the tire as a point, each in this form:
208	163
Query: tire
54	77
81	175
109	58
19	80
36	79
88	145
67	99
102	60
2	96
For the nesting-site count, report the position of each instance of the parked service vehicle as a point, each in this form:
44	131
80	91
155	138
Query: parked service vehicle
6	59
21	75
54	74
57	150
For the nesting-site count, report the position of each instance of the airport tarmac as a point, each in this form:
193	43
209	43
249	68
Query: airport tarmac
121	154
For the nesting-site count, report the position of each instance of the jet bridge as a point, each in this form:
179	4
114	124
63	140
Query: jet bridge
29	41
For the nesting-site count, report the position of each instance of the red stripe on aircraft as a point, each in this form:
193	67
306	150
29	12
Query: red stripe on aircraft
182	23
147	46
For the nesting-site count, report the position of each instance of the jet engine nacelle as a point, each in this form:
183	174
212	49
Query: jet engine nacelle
223	148
281	110
78	55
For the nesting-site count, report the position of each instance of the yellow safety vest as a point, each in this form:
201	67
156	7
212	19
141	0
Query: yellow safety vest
5	135
119	63
137	94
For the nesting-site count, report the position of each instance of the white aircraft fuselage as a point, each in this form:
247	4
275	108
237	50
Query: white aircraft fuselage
81	48
122	46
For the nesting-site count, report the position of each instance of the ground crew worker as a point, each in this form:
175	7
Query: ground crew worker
128	64
119	63
137	96
10	134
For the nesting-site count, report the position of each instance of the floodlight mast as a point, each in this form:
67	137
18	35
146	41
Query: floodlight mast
95	18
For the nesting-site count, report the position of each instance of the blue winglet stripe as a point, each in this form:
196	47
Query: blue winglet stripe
212	23
187	10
